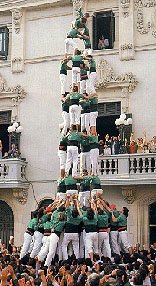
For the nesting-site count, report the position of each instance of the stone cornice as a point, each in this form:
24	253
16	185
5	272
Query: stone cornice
12	4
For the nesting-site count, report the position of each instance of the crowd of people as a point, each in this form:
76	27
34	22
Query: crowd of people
124	269
113	145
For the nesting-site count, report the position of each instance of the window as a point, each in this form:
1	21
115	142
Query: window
103	30
4	41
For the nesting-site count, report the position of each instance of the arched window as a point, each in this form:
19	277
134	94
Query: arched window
6	222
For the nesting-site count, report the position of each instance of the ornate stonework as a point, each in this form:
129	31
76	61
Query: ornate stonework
20	195
126	52
106	77
16	16
16	95
17	65
125	4
129	194
77	4
150	25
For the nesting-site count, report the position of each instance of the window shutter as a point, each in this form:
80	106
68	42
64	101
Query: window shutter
112	30
5	117
109	108
94	32
4	42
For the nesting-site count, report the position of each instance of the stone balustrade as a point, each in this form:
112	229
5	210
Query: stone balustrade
128	169
12	173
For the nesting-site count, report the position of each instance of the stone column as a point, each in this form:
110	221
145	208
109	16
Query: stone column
125	100
126	30
116	14
18	36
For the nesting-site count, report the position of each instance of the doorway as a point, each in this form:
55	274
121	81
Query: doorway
6	222
106	125
108	112
5	120
152	222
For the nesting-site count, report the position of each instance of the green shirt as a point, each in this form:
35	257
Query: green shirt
95	181
102	220
70	181
85	183
75	95
61	187
59	227
63	68
73	33
116	214
87	221
94	104
79	25
85	144
32	223
92	64
87	42
122	220
70	219
77	59
94	143
55	216
83	73
65	106
74	136
48	225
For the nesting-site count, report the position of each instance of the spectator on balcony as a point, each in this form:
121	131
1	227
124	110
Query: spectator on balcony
1	147
5	155
14	152
140	145
115	145
152	145
103	43
101	147
107	145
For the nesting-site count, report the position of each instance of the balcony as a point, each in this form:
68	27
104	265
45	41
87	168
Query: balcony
125	169
12	174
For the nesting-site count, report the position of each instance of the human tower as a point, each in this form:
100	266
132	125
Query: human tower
76	223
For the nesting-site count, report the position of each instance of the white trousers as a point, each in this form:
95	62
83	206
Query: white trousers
93	117
59	248
91	243
85	163
92	81
124	242
84	86
63	81
26	244
75	75
84	198
45	248
52	248
72	192
74	114
37	244
114	241
94	157
62	156
72	157
66	122
69	43
85	121
104	245
74	239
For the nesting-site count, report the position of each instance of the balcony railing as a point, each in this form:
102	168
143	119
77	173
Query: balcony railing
12	173
128	169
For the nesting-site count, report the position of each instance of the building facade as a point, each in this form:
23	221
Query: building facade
32	37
